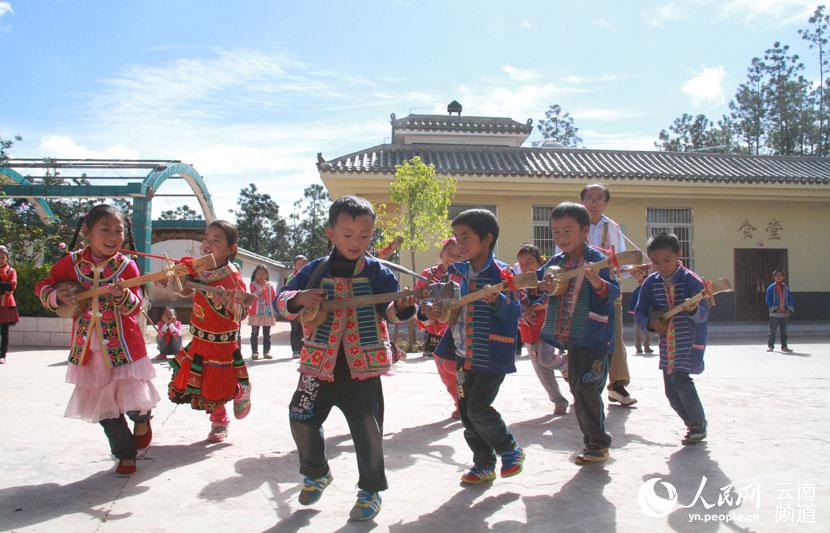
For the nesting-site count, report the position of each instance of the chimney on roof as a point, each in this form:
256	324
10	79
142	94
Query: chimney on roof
454	107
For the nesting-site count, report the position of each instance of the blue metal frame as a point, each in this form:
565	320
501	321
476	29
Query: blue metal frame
141	193
40	205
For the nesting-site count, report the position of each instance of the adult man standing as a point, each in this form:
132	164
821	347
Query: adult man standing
606	233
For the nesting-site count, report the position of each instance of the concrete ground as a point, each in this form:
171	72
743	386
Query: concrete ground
768	440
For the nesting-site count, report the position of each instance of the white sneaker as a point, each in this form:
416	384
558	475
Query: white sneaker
614	396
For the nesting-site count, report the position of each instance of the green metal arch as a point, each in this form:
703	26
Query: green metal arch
41	207
192	177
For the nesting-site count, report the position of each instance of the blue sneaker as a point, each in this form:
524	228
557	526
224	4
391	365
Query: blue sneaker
366	507
477	475
512	462
313	488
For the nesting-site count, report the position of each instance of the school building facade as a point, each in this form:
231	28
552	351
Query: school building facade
738	217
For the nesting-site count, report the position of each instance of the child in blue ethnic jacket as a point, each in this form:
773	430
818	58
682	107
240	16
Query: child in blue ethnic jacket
482	342
581	320
683	338
781	305
343	358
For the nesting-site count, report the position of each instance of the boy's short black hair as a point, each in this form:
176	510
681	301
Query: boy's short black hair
572	210
481	221
354	206
774	272
664	241
600	186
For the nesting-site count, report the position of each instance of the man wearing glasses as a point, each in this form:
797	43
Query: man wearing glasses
605	233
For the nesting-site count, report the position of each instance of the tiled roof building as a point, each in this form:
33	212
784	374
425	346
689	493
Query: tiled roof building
737	216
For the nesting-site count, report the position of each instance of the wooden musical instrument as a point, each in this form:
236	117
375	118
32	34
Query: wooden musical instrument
448	309
79	295
241	297
660	319
315	315
561	277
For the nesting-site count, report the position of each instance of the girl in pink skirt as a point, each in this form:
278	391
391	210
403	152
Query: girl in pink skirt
108	361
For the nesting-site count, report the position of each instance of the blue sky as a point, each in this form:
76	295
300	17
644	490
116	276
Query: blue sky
250	91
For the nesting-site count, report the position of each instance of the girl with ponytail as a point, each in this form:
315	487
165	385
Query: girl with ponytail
108	359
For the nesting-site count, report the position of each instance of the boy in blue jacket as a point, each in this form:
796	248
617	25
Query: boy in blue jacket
683	337
581	320
781	306
482	342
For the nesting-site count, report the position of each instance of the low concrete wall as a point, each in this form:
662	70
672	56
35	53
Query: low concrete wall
50	332
54	332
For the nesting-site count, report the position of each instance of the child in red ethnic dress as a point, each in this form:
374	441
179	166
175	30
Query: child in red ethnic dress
210	371
108	361
435	329
8	307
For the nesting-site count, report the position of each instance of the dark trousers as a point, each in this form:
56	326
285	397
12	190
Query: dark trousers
169	348
361	402
484	430
587	374
4	339
683	398
296	337
775	324
120	436
266	339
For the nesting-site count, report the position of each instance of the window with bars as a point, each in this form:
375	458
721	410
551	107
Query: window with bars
677	221
542	235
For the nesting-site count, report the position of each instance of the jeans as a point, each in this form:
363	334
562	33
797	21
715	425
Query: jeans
683	398
296	337
266	338
120	436
484	430
587	373
4	339
774	324
361	402
169	348
542	356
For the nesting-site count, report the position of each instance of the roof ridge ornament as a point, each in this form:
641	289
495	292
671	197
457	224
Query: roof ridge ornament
454	107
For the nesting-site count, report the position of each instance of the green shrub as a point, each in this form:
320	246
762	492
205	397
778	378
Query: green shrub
28	274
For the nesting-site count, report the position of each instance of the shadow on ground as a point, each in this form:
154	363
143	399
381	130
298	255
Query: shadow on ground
28	505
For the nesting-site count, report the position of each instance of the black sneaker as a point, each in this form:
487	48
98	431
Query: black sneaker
620	395
695	435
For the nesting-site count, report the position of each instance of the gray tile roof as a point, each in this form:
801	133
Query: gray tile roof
456	123
582	163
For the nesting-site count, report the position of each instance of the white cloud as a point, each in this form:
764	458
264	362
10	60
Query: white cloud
784	11
706	87
61	146
6	7
516	101
604	114
526	25
659	16
616	141
519	74
605	24
570	78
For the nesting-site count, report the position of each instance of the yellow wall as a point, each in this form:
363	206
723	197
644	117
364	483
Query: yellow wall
718	212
